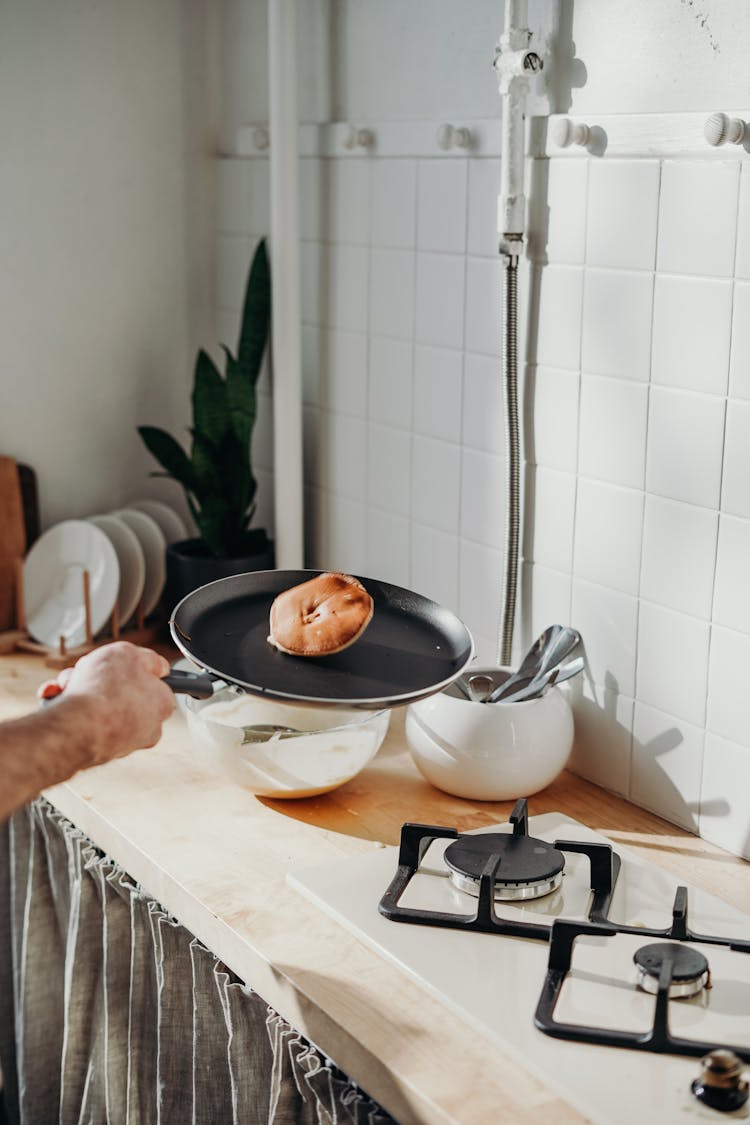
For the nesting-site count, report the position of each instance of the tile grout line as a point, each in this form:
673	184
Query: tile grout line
580	388
413	362
459	533
649	385
711	623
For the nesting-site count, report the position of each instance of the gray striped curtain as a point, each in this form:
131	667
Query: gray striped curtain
112	1012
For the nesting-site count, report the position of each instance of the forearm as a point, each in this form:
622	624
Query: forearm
45	748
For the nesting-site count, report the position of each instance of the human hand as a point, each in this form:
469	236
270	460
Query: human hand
118	693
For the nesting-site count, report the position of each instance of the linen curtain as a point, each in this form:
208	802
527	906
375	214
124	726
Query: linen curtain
112	1012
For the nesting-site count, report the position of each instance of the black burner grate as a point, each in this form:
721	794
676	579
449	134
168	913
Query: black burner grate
679	929
485	862
658	1038
416	839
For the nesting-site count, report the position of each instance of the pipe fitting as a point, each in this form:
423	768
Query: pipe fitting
515	63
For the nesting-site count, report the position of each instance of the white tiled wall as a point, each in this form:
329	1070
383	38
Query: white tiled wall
424	301
658	583
637	430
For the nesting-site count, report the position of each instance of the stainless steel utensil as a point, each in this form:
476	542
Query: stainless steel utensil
480	687
543	680
263	732
529	666
564	643
477	685
548	651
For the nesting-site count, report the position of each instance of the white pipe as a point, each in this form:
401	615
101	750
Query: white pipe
285	285
513	81
512	209
513	63
516	14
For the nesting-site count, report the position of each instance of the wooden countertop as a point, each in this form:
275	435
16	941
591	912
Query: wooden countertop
216	857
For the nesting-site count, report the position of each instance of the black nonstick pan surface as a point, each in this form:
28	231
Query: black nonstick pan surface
412	647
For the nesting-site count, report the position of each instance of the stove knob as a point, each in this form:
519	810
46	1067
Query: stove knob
720	1084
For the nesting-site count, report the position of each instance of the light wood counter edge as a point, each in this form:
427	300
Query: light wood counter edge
396	1041
399	1043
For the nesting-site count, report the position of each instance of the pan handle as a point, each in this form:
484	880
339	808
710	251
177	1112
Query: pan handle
198	684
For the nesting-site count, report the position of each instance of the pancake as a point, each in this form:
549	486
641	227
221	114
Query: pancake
321	616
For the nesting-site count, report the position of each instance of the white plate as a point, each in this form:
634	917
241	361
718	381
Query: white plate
132	563
154	547
170	524
53	582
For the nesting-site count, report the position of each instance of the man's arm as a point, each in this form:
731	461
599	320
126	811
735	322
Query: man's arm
42	749
113	702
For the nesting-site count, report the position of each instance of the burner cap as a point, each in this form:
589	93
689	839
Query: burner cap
522	858
689	973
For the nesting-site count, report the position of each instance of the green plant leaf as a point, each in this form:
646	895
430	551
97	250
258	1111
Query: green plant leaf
234	468
210	407
242	373
256	316
204	458
217	476
212	524
242	402
194	510
169	454
227	488
230	359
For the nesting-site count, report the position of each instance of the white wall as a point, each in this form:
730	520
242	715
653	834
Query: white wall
244	70
672	56
637	522
106	238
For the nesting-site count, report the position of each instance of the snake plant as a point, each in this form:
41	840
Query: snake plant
217	474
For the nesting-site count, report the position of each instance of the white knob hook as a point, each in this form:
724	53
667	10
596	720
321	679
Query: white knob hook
261	138
448	136
357	138
720	129
566	132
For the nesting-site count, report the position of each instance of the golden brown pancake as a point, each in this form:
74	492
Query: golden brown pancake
321	616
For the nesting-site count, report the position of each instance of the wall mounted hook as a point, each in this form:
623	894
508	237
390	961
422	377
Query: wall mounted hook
721	129
355	137
261	138
448	136
566	132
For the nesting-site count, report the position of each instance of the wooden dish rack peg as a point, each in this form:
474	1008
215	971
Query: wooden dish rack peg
139	632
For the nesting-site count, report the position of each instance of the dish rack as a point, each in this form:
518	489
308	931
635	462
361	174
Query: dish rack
139	632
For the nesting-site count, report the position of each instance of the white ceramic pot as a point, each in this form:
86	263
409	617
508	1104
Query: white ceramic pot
490	751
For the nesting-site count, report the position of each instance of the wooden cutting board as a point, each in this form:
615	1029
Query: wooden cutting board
12	539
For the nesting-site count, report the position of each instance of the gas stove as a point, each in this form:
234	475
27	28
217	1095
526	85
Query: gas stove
594	968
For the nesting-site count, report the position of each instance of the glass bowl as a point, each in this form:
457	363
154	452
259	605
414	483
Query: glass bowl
332	746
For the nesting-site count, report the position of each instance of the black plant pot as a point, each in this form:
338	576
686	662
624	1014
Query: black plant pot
190	564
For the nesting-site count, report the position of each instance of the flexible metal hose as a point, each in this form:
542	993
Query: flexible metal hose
513	458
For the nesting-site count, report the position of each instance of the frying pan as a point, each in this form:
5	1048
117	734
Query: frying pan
412	647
